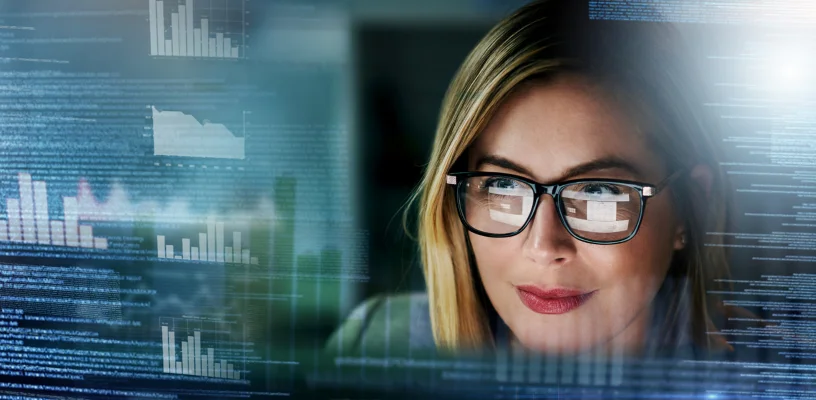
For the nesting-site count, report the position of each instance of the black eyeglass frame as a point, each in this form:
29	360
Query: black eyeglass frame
644	190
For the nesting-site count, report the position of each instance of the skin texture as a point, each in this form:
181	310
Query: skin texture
549	128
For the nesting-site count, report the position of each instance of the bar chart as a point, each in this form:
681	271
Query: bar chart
178	134
212	246
27	219
197	28
197	355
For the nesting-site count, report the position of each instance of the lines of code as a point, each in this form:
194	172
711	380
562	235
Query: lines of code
726	12
176	206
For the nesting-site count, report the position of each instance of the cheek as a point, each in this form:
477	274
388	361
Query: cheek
494	256
628	266
641	263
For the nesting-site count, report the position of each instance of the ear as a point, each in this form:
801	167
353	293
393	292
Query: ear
680	237
701	178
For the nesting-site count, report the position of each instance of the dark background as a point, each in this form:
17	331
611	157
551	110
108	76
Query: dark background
404	72
403	68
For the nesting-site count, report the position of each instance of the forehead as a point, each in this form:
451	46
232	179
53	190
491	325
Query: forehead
551	127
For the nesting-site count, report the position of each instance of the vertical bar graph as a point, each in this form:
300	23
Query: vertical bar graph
197	29
165	348
197	352
100	243
85	236
174	29
219	241
171	350
190	356
154	38
188	26
182	30
57	233
185	364
185	248
160	246
42	224
203	343
27	219
236	243
210	357
202	246
205	37
210	239
27	208
158	26
197	42
71	210
209	248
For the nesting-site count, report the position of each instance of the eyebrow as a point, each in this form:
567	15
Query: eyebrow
609	162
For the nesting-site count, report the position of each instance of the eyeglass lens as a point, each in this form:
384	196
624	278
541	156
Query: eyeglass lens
596	211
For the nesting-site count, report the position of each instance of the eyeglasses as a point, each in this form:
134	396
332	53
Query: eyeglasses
598	211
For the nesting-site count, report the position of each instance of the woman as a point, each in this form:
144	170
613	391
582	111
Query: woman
571	183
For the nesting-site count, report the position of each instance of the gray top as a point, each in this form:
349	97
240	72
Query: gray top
388	326
399	325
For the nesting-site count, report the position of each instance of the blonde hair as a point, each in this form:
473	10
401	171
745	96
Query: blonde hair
538	42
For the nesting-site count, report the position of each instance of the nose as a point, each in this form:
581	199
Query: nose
548	243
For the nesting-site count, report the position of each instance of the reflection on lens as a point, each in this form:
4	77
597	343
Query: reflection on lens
595	211
601	211
496	205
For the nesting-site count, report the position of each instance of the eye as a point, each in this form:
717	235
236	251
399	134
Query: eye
501	183
600	188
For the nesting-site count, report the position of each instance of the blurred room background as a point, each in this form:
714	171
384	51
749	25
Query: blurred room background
404	55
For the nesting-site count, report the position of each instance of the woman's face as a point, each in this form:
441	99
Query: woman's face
549	133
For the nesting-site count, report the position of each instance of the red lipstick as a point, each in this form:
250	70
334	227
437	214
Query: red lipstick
552	301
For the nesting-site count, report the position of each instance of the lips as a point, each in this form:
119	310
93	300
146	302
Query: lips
552	301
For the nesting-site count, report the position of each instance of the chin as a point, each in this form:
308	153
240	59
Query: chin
537	340
557	348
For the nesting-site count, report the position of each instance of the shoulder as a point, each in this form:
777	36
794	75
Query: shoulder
390	325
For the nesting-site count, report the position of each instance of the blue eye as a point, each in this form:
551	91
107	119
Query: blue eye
501	183
601	188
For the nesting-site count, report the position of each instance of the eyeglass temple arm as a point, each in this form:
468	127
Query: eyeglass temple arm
653	190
